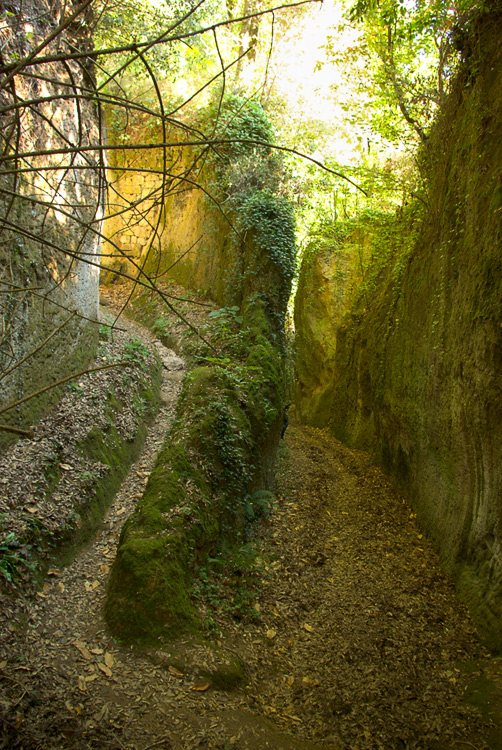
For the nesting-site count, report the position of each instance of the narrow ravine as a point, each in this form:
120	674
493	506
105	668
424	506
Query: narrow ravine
350	636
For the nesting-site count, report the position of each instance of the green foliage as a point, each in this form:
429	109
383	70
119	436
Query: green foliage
135	353
105	333
14	559
159	326
258	505
272	220
410	52
247	180
240	119
227	317
242	165
132	21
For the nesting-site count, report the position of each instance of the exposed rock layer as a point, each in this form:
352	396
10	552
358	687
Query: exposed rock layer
417	374
50	205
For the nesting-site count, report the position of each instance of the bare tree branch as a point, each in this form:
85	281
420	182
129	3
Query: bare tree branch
136	46
88	371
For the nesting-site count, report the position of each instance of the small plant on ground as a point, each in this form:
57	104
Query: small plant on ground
105	333
135	353
159	327
14	559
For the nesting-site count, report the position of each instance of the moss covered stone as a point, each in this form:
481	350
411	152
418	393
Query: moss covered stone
198	492
218	453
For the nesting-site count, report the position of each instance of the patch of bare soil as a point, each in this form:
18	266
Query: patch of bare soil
340	632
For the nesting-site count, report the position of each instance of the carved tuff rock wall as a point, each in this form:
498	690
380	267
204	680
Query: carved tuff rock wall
159	220
417	373
50	204
332	270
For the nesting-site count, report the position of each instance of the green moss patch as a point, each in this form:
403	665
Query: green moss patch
202	491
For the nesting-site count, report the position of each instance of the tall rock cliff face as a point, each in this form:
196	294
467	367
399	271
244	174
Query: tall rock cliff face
162	223
417	377
215	223
50	202
331	273
180	210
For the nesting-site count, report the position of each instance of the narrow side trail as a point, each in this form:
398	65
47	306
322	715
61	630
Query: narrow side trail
351	637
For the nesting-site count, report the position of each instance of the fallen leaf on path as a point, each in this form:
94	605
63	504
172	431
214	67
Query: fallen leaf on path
82	684
271	634
96	651
109	660
77	710
310	681
201	686
103	714
81	646
121	510
308	628
65	467
106	670
175	672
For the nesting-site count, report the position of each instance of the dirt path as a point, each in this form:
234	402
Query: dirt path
337	631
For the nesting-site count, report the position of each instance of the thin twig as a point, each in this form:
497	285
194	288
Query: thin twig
16	430
157	743
190	143
13	404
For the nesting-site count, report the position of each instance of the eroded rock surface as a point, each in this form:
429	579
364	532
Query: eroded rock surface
417	374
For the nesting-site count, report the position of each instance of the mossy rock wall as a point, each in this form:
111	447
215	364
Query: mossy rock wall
417	374
46	214
221	449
